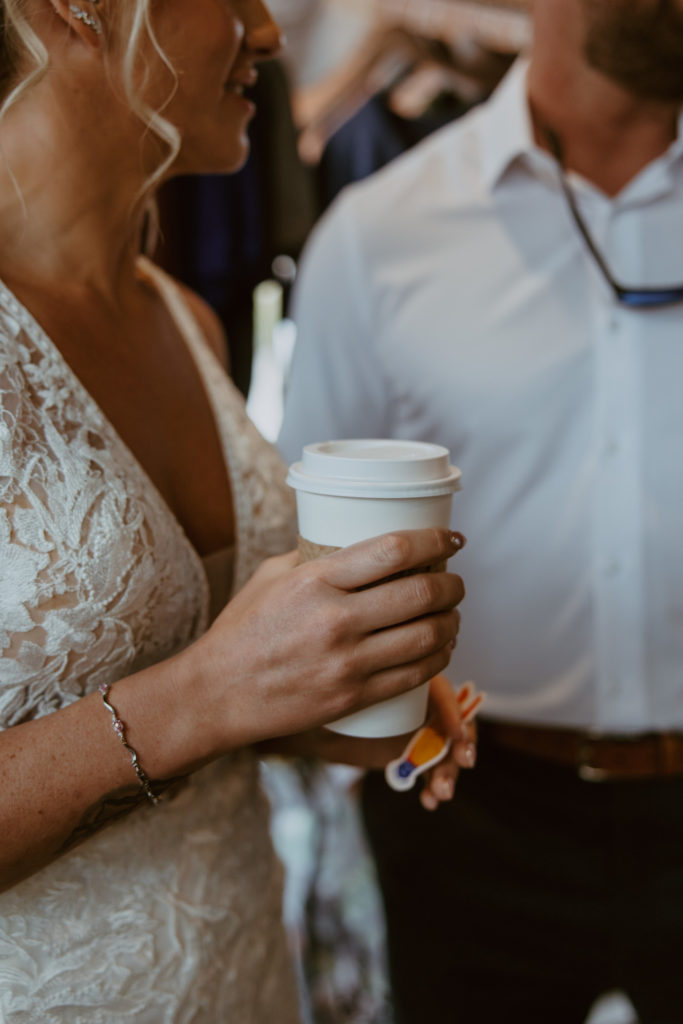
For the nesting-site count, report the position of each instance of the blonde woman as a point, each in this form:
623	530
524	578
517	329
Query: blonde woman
136	501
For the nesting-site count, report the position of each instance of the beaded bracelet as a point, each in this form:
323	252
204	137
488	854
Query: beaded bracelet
120	730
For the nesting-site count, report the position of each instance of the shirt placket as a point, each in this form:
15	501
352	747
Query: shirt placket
617	511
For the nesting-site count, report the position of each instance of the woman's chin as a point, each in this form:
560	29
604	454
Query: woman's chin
216	163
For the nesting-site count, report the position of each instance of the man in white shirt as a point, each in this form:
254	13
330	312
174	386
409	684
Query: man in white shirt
531	319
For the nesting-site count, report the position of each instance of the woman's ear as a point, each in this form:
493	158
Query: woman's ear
82	16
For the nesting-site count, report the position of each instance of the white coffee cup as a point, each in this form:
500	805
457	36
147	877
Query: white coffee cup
348	491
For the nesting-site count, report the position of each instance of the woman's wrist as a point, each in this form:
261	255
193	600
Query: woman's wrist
166	717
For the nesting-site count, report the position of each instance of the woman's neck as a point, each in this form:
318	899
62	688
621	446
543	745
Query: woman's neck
70	214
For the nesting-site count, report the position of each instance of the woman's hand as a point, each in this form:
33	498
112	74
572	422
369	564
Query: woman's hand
445	715
303	645
297	647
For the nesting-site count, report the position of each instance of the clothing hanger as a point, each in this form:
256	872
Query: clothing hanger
385	56
503	26
390	56
470	73
420	89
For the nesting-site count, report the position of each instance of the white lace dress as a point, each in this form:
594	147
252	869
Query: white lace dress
173	913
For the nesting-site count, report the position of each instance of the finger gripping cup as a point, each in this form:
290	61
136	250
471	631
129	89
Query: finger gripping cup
348	491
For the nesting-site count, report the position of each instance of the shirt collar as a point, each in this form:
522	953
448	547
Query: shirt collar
676	148
660	176
505	133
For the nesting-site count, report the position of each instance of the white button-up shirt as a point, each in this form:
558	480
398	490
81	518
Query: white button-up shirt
450	298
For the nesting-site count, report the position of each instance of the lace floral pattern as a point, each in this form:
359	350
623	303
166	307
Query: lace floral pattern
173	914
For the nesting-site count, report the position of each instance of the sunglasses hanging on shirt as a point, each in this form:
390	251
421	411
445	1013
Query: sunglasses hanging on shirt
634	298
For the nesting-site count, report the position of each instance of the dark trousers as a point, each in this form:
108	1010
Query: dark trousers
531	894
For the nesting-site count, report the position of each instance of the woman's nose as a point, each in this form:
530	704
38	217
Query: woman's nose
263	36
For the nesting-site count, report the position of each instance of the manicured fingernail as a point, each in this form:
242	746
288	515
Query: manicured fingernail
429	801
469	756
458	540
444	788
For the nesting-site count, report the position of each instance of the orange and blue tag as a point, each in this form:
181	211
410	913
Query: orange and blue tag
427	747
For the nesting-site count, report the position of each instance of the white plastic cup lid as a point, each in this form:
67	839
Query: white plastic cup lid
375	469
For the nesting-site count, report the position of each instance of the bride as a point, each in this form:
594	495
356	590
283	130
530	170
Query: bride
143	651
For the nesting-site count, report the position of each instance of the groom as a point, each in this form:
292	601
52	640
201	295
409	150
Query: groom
513	289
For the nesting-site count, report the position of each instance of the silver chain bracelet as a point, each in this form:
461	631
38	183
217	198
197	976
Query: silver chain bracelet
120	730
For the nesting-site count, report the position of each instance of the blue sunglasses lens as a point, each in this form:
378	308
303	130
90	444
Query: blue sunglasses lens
635	298
648	298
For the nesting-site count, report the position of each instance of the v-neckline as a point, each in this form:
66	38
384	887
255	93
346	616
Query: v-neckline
18	311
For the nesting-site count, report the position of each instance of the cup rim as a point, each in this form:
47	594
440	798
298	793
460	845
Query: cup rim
368	467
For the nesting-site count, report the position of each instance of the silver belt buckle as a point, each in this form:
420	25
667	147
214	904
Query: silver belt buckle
587	771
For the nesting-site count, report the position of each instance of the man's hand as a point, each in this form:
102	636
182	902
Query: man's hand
446	714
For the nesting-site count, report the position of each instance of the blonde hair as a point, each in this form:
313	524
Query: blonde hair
24	60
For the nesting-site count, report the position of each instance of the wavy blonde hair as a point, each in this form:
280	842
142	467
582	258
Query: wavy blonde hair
24	60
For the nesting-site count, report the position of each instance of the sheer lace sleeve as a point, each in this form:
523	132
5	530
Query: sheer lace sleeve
96	579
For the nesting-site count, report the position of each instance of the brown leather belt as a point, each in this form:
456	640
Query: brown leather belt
595	758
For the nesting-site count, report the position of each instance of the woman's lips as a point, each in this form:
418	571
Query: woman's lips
239	81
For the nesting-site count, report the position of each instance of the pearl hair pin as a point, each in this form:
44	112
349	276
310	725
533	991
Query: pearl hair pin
88	19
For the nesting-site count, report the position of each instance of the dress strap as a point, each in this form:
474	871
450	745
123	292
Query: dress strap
177	304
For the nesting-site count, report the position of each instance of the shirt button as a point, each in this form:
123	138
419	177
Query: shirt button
613	323
612	567
611	446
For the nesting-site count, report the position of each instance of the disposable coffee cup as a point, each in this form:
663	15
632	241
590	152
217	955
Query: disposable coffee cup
348	491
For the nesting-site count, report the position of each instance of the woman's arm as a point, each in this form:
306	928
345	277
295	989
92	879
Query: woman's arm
67	775
297	647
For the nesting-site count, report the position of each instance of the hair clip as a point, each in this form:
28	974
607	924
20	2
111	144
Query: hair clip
88	19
